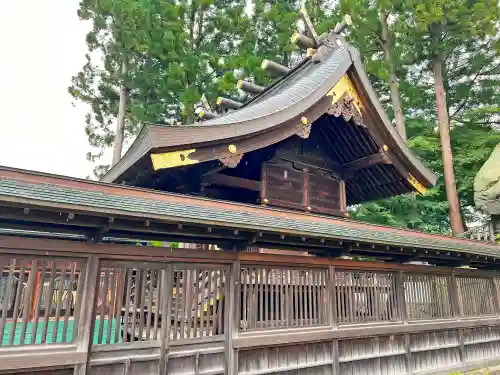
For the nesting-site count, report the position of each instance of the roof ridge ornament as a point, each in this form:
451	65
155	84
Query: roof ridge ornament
325	43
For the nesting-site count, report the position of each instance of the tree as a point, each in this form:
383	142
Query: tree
441	29
174	53
374	33
473	92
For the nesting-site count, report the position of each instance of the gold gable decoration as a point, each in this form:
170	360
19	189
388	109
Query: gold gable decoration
172	159
346	101
417	185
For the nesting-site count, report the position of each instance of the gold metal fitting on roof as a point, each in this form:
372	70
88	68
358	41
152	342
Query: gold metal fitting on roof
304	120
232	149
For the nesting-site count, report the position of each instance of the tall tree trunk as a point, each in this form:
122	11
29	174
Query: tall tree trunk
120	121
393	80
444	131
190	114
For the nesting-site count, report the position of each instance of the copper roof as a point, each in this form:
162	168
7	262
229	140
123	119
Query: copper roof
269	116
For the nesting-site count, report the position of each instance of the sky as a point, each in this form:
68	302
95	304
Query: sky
42	46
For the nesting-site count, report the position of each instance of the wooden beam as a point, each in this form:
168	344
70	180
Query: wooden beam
275	68
303	41
204	113
248	87
231	181
378	158
228	103
309	24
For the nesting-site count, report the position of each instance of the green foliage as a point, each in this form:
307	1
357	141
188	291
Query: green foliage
176	51
469	46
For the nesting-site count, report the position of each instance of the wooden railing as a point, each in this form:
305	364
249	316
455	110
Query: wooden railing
483	232
88	308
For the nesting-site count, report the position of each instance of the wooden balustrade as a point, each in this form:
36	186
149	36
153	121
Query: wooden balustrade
183	311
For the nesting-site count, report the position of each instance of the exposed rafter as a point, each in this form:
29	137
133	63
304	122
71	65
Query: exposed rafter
230	181
381	157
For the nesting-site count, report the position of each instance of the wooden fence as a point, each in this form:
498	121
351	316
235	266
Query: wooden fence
69	307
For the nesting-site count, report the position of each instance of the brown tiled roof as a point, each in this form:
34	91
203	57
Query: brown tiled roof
81	197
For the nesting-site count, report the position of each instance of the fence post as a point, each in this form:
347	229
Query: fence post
86	319
495	296
456	300
401	304
332	319
332	313
458	312
232	316
166	310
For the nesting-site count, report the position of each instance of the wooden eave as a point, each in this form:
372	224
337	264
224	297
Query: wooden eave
274	115
41	202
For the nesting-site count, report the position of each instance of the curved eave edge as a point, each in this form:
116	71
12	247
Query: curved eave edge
308	105
419	171
140	147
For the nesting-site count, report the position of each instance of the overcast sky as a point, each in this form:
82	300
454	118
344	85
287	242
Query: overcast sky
42	45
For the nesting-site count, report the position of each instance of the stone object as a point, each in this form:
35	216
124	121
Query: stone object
487	185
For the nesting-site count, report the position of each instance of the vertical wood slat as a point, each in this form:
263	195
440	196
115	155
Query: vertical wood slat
16	304
127	313
143	282
8	294
48	308
119	304
186	290
245	282
202	303
265	280
332	301
195	302
38	304
158	307
150	304
209	298
104	299
28	293
133	313
69	298
177	332
60	296
288	298
222	303
399	300
111	307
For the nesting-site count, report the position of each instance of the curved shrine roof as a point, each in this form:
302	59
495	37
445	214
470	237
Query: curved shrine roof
275	114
